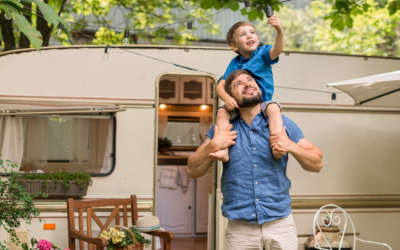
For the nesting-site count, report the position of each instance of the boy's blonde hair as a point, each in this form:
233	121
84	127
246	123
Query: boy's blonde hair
230	36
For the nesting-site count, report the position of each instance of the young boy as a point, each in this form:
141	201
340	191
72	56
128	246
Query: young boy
243	39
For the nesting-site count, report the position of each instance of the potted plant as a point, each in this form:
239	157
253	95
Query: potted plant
58	184
15	203
164	144
124	238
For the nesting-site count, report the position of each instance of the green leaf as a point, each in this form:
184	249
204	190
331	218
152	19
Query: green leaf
349	22
217	5
25	246
25	27
393	7
260	15
341	5
252	15
235	7
49	14
206	4
33	241
111	246
26	1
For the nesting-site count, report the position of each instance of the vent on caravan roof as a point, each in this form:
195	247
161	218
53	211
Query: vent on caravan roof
21	108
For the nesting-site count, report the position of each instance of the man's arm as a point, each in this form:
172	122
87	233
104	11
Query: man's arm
200	161
306	153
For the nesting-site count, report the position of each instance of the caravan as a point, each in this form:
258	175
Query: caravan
105	118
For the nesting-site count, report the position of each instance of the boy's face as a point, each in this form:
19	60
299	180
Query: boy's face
246	40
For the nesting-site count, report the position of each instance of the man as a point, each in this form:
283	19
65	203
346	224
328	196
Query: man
254	183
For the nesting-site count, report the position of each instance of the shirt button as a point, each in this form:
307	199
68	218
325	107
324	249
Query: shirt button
253	215
251	132
255	165
254	148
256	182
256	199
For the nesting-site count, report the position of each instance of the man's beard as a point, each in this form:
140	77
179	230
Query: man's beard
251	101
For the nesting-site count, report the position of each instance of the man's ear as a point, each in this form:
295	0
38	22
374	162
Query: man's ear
234	47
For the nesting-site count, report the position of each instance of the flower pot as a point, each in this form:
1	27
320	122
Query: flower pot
54	190
163	151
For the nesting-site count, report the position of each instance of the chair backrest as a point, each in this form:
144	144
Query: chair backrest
90	207
335	220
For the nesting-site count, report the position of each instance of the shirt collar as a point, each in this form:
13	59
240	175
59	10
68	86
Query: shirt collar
244	59
262	112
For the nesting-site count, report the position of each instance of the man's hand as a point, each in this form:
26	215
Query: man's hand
231	104
281	141
224	138
275	22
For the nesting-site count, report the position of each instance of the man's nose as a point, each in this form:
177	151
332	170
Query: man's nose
248	84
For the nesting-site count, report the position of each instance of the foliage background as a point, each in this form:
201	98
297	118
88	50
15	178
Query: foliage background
339	26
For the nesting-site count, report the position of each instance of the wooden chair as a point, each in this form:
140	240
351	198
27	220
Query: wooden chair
89	206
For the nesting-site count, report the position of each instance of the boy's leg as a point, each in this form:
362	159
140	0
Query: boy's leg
273	111
223	118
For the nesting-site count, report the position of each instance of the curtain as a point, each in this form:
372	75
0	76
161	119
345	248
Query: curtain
80	141
98	132
205	124
12	140
36	130
108	159
90	142
162	125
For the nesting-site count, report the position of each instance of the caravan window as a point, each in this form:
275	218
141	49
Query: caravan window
72	143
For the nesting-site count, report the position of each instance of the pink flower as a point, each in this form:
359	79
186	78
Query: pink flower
67	249
44	245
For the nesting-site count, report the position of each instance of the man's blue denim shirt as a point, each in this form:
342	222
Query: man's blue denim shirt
254	183
259	66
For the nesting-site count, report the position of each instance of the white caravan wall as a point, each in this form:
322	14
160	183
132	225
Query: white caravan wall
360	153
80	72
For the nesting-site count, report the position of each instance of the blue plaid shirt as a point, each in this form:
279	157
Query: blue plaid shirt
259	66
254	183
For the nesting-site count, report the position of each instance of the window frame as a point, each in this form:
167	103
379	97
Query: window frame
113	153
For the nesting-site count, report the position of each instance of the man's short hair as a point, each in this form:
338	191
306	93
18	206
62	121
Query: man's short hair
230	36
232	76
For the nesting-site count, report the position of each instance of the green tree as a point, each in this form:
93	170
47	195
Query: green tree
374	33
15	11
16	204
144	17
299	26
343	12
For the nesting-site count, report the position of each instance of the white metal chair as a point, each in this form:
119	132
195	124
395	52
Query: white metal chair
335	220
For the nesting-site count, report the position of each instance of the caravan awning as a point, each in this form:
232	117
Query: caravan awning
381	90
58	108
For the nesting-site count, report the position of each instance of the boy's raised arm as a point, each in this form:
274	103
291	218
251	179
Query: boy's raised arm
275	22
